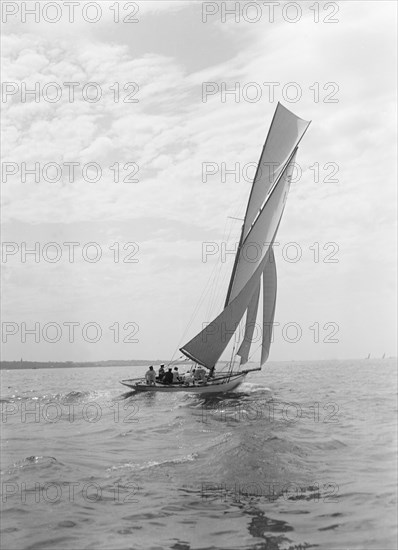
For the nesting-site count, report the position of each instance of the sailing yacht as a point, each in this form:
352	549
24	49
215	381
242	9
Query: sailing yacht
260	225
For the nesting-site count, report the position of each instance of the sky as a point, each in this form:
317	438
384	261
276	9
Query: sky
134	163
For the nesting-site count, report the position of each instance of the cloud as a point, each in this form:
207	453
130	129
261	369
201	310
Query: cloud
170	132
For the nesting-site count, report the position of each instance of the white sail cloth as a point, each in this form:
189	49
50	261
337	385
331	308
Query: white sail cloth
250	327
285	132
262	233
269	304
254	258
207	346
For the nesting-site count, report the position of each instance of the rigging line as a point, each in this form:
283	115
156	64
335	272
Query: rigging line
255	351
215	290
235	265
219	284
210	284
215	303
194	313
199	303
227	240
176	360
188	326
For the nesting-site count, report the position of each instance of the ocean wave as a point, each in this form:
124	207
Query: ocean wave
155	464
33	461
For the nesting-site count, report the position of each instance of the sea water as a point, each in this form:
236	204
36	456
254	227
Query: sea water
303	455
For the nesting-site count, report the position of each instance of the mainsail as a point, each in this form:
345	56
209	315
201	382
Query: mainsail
254	258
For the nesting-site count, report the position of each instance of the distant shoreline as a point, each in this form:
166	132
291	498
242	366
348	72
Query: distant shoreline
20	365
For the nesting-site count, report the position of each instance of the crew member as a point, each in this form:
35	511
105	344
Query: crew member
176	376
161	373
168	377
150	376
189	379
201	374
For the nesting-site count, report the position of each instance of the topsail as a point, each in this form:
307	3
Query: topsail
254	259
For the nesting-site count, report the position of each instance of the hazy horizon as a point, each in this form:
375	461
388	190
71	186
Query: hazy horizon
158	361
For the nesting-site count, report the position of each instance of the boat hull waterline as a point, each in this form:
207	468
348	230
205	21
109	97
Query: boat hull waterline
210	387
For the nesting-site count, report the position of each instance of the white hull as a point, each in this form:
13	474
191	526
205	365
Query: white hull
211	387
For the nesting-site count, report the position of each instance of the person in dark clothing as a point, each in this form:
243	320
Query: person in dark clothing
161	373
168	377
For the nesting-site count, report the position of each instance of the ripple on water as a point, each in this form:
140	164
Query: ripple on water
182	446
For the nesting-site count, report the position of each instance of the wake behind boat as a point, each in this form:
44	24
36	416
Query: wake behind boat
249	274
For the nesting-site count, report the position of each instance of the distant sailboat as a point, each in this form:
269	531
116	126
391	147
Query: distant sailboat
384	356
368	357
263	215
